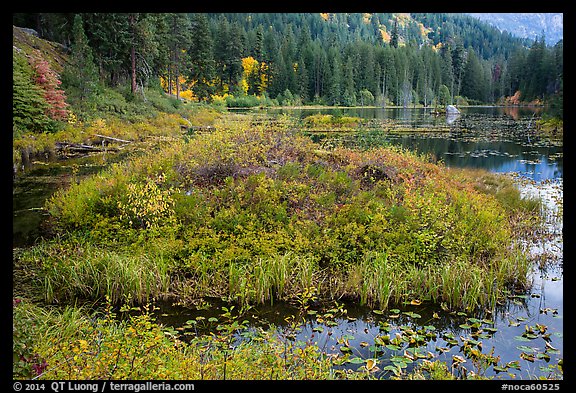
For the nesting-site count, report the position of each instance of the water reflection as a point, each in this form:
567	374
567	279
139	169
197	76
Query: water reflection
496	139
451	118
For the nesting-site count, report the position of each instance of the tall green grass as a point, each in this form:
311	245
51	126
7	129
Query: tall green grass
70	270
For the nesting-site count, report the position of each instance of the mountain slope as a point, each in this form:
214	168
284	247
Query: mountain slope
527	25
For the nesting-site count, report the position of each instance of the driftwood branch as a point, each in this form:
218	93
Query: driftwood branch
76	146
113	139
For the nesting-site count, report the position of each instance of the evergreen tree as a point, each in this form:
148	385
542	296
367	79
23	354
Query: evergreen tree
201	69
333	78
394	34
473	82
110	39
234	52
444	96
458	66
349	94
447	76
221	38
175	38
80	74
302	80
28	103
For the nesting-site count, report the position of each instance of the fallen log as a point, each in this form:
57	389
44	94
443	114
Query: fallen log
76	147
112	139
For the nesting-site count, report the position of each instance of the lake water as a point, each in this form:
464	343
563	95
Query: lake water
526	332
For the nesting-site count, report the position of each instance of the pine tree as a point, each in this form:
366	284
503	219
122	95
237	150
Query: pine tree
109	37
28	104
394	34
349	95
80	73
302	80
473	78
201	70
334	78
234	53
175	37
458	66
220	51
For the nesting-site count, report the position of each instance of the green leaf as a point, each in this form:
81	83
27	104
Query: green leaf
400	364
515	364
394	369
544	356
521	338
525	348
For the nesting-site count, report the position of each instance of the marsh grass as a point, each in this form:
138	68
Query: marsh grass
73	270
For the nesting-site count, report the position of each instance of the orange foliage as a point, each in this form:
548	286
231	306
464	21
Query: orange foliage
385	35
514	100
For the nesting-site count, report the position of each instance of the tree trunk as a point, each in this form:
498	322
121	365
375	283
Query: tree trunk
133	58
133	86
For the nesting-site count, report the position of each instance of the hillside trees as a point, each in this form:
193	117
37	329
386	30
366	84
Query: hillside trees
324	58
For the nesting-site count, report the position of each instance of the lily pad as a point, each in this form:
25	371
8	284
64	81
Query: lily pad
356	360
521	338
394	369
527	356
412	314
525	348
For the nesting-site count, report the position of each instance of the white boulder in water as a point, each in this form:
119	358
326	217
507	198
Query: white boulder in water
451	109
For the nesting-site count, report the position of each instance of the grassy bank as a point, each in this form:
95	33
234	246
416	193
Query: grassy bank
255	214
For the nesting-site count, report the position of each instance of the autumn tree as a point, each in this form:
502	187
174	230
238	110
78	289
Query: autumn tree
49	82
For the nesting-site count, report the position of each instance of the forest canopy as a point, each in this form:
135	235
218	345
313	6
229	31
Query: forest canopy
346	59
